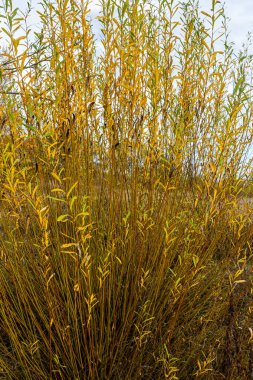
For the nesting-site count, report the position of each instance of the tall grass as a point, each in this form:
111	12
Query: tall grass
125	220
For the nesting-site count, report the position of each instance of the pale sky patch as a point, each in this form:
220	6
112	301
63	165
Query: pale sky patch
240	14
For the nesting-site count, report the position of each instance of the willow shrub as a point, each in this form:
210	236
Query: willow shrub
125	219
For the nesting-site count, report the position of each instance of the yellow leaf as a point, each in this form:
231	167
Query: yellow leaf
69	245
57	190
56	176
71	189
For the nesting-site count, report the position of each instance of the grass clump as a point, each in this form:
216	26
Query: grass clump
126	233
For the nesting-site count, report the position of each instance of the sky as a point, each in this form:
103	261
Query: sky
240	13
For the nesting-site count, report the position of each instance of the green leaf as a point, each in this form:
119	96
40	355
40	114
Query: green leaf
72	202
206	14
63	218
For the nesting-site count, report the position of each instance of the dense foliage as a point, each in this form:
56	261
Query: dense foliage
125	219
